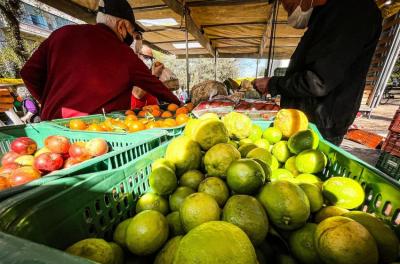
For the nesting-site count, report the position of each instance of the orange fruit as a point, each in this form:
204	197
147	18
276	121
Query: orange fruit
77	124
131	118
129	112
166	114
94	127
144	120
181	110
182	119
151	125
169	122
156	112
136	126
150	108
189	106
104	127
172	107
120	125
142	113
159	123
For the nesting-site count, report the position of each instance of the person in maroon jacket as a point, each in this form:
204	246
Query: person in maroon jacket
82	69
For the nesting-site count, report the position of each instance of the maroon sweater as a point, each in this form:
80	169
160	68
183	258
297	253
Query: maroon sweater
86	68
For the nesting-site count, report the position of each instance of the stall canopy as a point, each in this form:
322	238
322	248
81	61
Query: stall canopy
228	28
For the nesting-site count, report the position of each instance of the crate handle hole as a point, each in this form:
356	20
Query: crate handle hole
88	215
365	208
396	218
92	229
110	214
107	201
122	188
115	194
387	209
126	201
378	201
130	182
119	208
102	221
97	206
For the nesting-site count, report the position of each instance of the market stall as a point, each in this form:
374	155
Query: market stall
230	180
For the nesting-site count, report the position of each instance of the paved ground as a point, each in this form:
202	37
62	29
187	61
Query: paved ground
378	123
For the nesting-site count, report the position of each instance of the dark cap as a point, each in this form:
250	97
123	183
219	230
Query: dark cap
119	8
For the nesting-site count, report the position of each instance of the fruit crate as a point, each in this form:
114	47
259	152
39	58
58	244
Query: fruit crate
392	144
92	205
389	164
395	125
124	148
63	124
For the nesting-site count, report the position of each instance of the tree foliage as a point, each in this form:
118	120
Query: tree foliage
199	69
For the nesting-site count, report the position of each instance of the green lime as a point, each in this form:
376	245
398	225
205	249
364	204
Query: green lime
256	133
246	148
311	161
152	201
262	143
191	179
245	176
281	151
162	180
216	188
273	135
343	192
303	140
176	199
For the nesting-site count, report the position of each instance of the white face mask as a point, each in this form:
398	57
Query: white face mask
137	46
299	18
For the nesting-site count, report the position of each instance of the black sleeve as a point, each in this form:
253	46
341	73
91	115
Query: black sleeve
343	36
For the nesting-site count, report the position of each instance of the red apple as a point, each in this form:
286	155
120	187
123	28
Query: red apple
70	162
4	183
23	175
48	162
78	150
97	147
23	146
57	144
9	158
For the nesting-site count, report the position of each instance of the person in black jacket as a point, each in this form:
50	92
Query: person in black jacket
327	73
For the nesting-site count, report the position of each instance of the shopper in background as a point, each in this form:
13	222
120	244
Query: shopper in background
83	69
327	72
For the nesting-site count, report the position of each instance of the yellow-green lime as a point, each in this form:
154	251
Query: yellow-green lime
329	211
210	132
176	199
184	153
216	242
175	224
246	148
120	232
191	179
163	180
218	158
147	233
274	163
290	165
216	188
281	151
167	253
309	178
247	213
262	143
301	243
162	162
95	249
245	176
314	195
273	135
266	168
311	161
245	141
239	125
303	140
234	143
118	252
256	133
152	201
190	127
385	238
343	192
197	209
282	174
286	204
340	239
262	154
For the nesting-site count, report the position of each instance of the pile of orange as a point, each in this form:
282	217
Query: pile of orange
145	119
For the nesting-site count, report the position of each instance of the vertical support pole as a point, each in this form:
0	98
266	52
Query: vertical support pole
187	53
257	67
215	65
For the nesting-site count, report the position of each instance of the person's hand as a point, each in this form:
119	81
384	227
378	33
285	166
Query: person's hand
26	117
157	69
261	85
6	100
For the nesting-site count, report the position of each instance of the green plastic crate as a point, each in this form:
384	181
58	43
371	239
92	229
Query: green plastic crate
63	124
92	205
389	164
120	146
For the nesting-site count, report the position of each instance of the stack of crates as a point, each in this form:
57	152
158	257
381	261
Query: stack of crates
389	161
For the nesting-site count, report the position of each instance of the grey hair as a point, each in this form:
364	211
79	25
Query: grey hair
108	20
